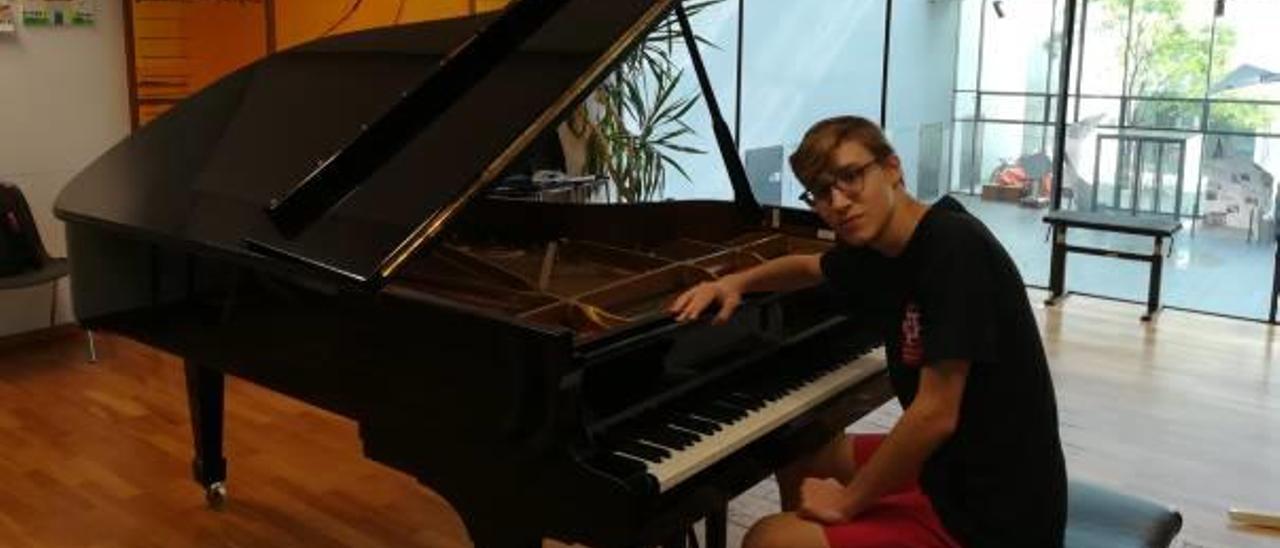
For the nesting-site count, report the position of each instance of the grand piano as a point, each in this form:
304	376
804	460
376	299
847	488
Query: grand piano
320	223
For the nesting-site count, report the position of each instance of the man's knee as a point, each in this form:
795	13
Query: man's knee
770	532
784	531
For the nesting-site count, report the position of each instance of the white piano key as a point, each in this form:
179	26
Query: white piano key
682	464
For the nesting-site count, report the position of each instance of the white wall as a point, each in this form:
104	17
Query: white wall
63	101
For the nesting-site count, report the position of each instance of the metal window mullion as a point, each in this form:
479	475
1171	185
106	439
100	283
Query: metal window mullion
1064	87
1084	27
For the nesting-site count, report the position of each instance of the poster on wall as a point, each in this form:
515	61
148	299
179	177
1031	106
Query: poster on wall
59	12
8	17
35	13
83	12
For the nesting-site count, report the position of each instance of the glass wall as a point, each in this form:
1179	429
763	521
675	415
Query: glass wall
701	173
801	61
1002	147
1173	112
646	133
923	61
804	60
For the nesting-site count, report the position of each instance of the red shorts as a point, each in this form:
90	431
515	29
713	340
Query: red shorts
904	518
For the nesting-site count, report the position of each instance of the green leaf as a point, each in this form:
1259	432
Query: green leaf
671	162
683	148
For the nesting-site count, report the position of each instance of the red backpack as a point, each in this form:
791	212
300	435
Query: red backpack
20	247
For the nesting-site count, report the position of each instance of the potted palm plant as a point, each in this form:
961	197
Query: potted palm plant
633	124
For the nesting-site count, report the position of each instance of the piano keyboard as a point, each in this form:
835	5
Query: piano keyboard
673	445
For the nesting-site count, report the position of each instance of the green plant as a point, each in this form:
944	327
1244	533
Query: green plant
634	122
1164	58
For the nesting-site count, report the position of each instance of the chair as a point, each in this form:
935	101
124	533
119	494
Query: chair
50	270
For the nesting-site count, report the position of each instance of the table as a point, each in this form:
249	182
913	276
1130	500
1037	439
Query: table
1158	228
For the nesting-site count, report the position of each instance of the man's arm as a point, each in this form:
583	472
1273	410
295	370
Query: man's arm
783	273
925	425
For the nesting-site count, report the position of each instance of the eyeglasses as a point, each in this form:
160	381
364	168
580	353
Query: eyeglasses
850	179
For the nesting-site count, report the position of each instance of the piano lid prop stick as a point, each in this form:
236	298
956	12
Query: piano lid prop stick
548	262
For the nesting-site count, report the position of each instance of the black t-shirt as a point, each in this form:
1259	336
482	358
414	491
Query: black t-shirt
954	293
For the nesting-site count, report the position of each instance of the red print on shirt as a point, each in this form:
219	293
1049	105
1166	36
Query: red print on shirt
912	343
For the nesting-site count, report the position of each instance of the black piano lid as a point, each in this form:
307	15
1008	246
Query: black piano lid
209	171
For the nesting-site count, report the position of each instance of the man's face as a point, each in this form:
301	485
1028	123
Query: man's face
860	199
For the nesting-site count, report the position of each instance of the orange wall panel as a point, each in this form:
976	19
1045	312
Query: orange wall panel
181	46
299	21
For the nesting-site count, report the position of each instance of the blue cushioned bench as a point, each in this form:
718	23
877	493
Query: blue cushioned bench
1098	517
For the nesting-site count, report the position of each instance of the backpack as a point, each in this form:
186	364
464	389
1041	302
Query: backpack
20	247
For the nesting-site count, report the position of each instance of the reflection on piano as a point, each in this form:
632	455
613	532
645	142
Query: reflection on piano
316	223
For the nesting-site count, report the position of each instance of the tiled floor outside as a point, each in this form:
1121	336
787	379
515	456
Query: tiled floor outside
1211	269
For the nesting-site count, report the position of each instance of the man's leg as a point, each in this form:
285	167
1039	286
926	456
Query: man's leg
903	517
785	531
833	460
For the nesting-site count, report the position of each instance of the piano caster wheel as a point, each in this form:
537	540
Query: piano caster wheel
216	495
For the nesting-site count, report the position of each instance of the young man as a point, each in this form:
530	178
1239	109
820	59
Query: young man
975	459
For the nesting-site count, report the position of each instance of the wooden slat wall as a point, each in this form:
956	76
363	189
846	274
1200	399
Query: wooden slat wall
180	46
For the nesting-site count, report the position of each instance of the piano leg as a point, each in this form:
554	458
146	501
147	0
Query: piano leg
204	398
717	525
676	541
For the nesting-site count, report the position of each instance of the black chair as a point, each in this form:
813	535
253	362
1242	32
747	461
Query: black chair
48	270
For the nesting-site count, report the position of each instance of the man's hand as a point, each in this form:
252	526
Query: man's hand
691	304
786	273
824	501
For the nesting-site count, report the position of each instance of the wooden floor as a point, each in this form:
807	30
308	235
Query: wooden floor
1186	410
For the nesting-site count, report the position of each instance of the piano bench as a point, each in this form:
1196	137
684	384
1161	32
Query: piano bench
1099	517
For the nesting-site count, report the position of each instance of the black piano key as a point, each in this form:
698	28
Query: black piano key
693	423
772	393
712	413
738	411
697	436
641	450
619	465
740	408
716	413
688	438
765	395
738	398
662	438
